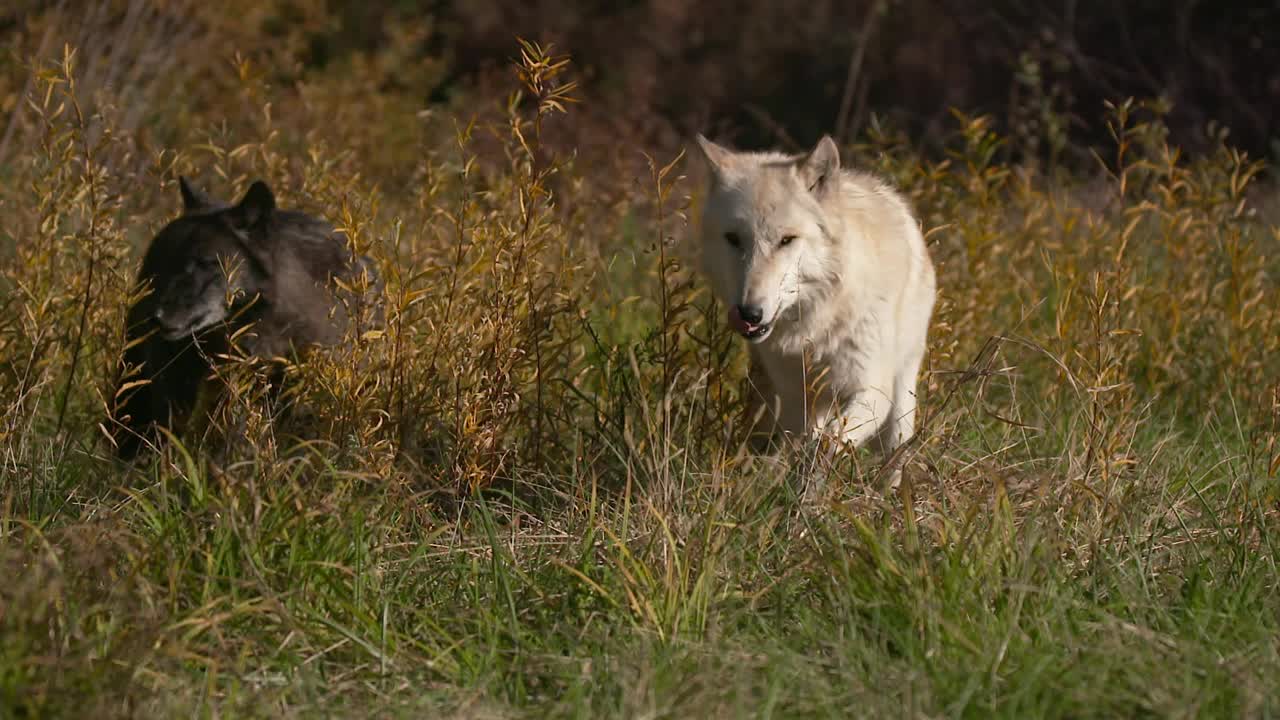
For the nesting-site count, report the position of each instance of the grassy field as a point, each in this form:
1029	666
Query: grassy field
524	496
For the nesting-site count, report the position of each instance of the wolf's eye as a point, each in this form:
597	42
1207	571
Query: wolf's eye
787	240
733	239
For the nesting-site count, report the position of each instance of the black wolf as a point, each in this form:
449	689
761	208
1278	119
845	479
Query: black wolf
275	281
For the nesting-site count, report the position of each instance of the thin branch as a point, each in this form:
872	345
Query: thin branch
881	7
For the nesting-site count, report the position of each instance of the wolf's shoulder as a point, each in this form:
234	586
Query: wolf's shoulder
301	228
866	182
309	236
863	187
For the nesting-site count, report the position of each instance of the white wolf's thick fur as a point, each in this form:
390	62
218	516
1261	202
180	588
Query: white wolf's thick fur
835	264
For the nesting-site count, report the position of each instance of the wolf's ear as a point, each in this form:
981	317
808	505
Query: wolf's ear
719	159
256	206
818	169
193	200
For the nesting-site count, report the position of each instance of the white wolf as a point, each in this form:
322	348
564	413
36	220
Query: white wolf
825	272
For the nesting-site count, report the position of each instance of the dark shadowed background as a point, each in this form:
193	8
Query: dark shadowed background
767	72
753	72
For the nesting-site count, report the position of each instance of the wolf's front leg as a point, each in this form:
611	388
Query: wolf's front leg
760	414
861	417
866	416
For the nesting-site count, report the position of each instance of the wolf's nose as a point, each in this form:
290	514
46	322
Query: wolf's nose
752	314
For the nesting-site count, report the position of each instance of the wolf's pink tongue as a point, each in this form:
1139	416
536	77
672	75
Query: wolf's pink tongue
737	323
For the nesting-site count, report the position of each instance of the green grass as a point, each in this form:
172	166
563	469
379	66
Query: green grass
315	592
539	509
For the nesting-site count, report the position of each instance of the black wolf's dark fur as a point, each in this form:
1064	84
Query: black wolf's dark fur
211	272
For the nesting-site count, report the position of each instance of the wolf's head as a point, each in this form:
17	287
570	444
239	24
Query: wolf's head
208	264
766	238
